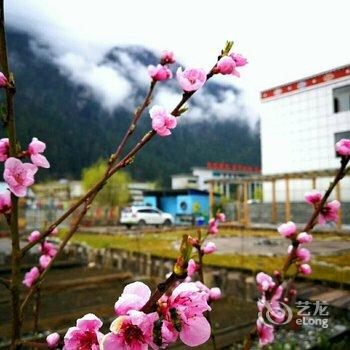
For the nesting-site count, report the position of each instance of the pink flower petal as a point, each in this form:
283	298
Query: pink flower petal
89	322
40	161
195	331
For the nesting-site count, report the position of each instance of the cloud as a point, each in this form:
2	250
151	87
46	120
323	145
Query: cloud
167	98
283	40
108	86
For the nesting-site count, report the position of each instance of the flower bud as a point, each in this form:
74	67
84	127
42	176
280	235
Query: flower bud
214	293
3	80
305	269
209	248
52	340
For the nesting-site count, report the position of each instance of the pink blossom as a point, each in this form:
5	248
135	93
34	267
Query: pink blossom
34	236
48	248
5	202
191	268
31	276
304	237
191	79
202	287
278	293
4	149
187	303
209	248
343	147
213	227
134	297
274	309
214	294
44	261
3	80
85	335
221	217
160	73
303	254
19	176
239	59
305	269
54	232
313	197
193	241
288	229
277	313
226	65
130	332
162	120
169	333
34	149
265	332
329	212
52	340
167	57
264	281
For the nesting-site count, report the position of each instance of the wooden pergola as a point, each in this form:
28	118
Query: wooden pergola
243	183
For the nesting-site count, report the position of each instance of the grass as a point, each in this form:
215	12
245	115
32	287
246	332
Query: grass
327	268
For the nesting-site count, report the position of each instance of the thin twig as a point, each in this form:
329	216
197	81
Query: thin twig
89	199
132	127
123	163
11	131
162	288
100	184
64	242
317	210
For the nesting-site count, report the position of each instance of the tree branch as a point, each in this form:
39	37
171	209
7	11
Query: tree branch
91	194
313	219
100	184
342	171
11	131
123	163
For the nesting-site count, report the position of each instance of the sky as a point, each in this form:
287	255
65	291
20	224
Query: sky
283	40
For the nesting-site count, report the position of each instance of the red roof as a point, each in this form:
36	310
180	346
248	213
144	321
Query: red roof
301	84
234	167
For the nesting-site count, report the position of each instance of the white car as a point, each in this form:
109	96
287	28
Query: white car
145	215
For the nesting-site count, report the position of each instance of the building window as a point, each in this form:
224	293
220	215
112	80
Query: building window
183	206
341	99
341	135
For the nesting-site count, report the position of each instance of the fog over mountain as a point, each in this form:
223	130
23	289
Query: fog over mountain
82	108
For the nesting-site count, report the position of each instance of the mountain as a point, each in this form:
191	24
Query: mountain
68	115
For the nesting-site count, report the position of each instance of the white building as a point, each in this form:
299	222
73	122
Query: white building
300	123
136	190
182	181
213	171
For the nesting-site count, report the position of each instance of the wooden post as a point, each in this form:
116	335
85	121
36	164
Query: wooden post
245	205
211	199
314	182
273	203
239	203
287	201
338	197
